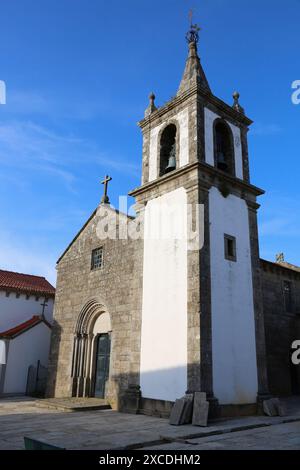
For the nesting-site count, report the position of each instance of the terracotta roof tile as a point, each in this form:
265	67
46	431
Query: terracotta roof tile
25	283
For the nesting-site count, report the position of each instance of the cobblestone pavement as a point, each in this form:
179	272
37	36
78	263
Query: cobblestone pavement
276	437
107	429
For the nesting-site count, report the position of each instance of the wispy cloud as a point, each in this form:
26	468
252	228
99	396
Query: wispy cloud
22	256
280	216
32	103
279	226
24	144
260	129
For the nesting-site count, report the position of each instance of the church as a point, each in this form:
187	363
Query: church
140	320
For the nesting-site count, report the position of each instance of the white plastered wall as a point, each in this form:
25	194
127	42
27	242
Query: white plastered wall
233	325
14	311
25	350
163	373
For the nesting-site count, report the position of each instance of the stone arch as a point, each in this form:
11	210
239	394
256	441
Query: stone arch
93	318
224	152
170	123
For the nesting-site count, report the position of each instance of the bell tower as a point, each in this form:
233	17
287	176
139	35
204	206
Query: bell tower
202	321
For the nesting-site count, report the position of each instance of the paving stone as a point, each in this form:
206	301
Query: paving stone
201	407
108	429
177	412
188	410
274	407
270	408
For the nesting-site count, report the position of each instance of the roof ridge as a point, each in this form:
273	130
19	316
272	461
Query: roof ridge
24	326
22	274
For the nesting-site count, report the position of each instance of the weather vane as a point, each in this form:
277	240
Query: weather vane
193	34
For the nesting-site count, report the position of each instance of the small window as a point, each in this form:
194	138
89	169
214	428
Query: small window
27	296
17	295
7	294
97	258
230	247
37	299
287	292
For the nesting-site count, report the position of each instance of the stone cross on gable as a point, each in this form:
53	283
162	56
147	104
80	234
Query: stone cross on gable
44	305
105	198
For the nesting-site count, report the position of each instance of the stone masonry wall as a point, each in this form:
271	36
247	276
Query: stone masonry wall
281	328
118	286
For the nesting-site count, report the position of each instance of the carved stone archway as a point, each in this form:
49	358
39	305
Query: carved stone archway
84	348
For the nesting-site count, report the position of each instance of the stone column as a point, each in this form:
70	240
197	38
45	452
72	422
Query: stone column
87	366
263	388
74	371
193	297
206	360
81	362
244	141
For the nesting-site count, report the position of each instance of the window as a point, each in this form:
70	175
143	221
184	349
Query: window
27	296
97	258
7	294
287	292
37	298
168	150
230	247
17	295
224	153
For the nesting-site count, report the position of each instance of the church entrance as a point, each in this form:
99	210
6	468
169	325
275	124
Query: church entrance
102	364
91	352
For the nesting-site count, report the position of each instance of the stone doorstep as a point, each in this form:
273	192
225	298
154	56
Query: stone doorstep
185	439
73	404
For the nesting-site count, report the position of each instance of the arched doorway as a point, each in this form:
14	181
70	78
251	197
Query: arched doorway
91	351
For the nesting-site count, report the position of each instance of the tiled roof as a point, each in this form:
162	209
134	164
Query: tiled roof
22	327
25	283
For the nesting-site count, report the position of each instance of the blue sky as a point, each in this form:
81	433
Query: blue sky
78	74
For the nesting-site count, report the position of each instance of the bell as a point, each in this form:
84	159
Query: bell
171	164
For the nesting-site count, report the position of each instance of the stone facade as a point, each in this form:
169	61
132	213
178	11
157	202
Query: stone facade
115	288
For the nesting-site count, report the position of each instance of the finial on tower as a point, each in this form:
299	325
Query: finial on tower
151	108
193	73
236	105
193	34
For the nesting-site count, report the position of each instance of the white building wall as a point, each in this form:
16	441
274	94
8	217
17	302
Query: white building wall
25	350
164	310
182	119
209	118
14	311
233	328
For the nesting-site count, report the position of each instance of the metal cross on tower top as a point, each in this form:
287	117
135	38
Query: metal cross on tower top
105	198
193	34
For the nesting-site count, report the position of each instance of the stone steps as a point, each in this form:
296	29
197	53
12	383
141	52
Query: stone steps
73	404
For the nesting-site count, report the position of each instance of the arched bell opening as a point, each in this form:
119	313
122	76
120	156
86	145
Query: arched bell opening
168	150
223	147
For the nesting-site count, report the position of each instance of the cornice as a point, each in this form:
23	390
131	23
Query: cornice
209	170
181	98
